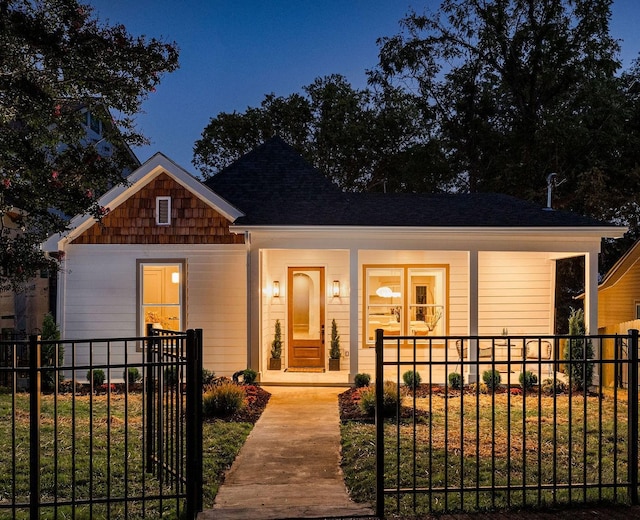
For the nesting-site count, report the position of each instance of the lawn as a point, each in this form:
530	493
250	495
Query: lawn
87	438
462	441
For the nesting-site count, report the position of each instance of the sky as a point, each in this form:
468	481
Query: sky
234	52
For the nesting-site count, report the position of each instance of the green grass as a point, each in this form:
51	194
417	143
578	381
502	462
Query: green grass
505	441
85	454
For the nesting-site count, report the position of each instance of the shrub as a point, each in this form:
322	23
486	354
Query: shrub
207	377
249	376
577	350
492	379
389	399
528	380
455	380
170	376
550	387
98	377
276	344
132	375
223	400
362	380
334	351
411	379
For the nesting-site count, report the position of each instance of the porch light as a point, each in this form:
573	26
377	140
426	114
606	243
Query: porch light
175	277
336	288
276	289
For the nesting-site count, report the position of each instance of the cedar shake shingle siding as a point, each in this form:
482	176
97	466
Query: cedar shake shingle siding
134	221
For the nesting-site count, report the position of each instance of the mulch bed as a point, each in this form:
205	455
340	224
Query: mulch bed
349	405
257	399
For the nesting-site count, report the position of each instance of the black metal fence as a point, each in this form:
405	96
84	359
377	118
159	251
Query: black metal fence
516	426
101	428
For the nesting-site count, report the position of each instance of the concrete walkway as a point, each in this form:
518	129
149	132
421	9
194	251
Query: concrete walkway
289	466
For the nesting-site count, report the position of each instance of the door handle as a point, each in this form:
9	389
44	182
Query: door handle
322	333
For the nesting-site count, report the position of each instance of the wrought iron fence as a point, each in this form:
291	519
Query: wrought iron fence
101	428
522	422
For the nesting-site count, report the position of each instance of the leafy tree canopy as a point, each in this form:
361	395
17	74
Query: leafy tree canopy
57	63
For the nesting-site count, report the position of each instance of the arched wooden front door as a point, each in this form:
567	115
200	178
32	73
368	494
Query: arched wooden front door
306	317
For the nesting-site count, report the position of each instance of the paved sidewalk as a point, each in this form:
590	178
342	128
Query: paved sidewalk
290	465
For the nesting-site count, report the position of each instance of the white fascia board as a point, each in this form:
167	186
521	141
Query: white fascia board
152	168
408	231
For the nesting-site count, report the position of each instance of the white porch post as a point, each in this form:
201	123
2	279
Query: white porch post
591	292
254	300
353	313
591	303
472	369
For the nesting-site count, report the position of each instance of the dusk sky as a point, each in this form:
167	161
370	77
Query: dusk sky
233	52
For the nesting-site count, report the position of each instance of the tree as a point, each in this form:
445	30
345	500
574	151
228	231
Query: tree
363	140
57	64
517	89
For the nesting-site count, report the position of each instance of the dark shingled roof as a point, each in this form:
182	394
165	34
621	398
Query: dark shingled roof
274	186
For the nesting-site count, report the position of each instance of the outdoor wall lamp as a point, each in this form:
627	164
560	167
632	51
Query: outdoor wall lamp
336	288
276	289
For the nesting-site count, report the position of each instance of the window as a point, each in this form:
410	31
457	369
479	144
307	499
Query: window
405	300
637	310
94	123
163	211
161	295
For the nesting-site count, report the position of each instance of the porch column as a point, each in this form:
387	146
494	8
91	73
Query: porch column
254	298
354	348
591	292
472	369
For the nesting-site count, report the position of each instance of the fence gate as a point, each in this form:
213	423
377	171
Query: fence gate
102	428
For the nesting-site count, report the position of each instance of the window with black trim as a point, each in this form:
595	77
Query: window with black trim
161	295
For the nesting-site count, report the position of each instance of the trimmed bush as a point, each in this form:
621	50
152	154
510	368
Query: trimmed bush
132	375
389	399
492	379
249	376
223	400
455	380
528	380
551	387
578	351
412	379
362	380
98	377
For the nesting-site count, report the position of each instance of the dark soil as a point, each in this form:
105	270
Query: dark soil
349	403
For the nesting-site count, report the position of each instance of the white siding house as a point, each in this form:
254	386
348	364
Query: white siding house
271	239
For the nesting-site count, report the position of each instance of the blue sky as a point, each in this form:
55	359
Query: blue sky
233	52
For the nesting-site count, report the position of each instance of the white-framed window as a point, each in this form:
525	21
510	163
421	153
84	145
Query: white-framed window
161	294
405	300
94	123
163	211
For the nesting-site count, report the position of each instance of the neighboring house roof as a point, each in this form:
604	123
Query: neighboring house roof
152	168
274	186
621	267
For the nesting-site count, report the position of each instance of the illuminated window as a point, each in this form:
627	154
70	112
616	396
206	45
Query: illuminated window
161	295
405	301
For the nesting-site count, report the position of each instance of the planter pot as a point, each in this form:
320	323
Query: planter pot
275	364
334	364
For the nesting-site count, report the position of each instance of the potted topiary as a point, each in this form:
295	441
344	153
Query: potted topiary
275	363
334	351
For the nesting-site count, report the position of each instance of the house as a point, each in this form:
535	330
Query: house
270	238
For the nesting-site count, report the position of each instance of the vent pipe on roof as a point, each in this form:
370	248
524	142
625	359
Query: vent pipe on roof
550	184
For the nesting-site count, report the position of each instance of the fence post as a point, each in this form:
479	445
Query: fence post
194	423
633	416
150	390
34	427
379	424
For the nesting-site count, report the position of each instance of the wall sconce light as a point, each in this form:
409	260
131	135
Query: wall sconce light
336	288
276	289
175	277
